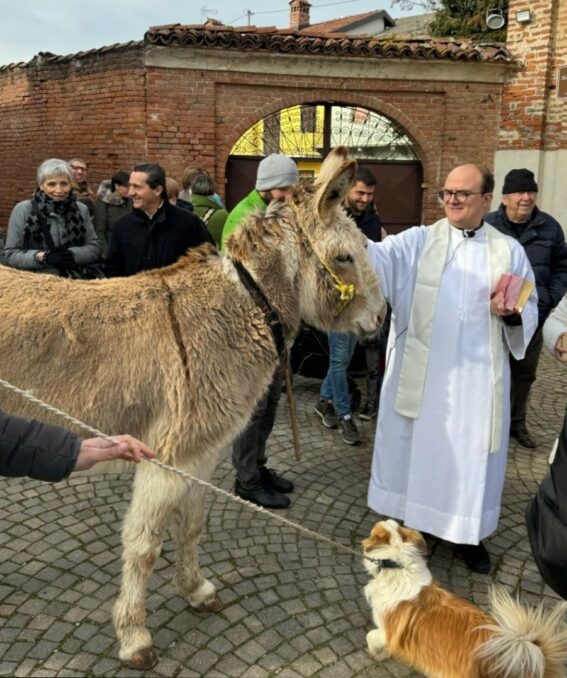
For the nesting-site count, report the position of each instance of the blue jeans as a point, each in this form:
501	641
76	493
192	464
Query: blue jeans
335	385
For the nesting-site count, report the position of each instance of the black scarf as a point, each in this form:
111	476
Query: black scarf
36	232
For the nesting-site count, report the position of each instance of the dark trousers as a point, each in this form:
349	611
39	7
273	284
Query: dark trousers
523	374
249	449
374	374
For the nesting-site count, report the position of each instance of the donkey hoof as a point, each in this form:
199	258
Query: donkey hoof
212	604
142	660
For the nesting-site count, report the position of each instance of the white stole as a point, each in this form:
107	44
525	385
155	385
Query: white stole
416	351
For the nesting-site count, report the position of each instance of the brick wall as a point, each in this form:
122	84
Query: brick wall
532	116
195	117
113	111
534	120
92	107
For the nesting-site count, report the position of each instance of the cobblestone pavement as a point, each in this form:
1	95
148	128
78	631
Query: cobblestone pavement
293	606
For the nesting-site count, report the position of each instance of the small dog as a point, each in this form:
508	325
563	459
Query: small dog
420	623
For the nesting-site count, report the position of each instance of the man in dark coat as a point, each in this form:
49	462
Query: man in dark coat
544	242
155	233
46	452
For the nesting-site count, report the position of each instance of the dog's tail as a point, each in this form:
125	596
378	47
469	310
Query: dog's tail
526	642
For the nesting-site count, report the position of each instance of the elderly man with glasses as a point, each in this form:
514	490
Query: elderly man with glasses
442	432
81	186
543	240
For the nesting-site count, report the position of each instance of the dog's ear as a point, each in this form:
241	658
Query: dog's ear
379	535
414	537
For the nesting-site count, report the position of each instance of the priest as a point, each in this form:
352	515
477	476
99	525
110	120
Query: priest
442	433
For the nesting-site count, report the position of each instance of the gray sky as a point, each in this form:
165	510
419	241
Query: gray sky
67	26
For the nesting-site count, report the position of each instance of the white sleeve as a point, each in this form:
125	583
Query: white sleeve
555	325
395	261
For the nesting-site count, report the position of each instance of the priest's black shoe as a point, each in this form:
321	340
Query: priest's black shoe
476	557
258	495
272	481
524	437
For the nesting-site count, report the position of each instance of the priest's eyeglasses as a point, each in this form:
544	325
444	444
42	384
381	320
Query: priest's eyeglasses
445	195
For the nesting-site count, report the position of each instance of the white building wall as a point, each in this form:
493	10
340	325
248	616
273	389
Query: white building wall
550	169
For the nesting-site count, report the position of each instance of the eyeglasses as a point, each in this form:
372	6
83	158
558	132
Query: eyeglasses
445	195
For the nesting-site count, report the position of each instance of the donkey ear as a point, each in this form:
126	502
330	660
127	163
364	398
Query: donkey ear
335	180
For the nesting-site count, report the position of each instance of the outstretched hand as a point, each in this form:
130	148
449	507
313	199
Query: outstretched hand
94	450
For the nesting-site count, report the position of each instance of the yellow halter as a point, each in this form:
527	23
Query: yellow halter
346	291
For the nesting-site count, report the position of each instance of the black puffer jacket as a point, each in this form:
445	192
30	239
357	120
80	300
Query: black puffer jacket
368	221
544	243
32	448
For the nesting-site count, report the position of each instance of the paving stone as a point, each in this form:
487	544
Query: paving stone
250	652
293	606
26	668
17	651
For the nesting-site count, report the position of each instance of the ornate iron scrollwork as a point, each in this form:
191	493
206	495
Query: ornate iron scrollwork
310	131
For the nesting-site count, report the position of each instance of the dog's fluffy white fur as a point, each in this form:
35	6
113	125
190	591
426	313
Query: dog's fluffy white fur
430	629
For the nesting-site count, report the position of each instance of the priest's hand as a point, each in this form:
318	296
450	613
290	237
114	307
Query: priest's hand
561	348
497	305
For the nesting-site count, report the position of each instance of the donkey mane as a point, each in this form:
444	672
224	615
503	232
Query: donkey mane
197	255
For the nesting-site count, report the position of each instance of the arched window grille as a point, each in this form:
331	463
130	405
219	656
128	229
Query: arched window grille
310	131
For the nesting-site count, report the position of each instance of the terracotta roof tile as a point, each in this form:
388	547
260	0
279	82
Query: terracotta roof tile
329	44
49	57
289	41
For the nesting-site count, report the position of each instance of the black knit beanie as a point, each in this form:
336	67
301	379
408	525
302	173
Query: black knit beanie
519	181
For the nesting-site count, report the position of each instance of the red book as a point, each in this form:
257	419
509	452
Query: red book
516	291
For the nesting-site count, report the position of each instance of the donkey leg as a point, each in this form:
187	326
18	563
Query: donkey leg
153	496
186	528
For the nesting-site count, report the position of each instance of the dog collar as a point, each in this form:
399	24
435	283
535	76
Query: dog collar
387	564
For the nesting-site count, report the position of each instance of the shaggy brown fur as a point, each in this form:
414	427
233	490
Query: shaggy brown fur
178	357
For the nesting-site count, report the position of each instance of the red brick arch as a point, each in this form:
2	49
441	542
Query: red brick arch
423	148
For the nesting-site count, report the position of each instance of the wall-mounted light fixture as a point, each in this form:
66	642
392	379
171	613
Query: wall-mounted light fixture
524	16
495	19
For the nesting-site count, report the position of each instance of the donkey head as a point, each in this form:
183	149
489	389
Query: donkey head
338	288
310	258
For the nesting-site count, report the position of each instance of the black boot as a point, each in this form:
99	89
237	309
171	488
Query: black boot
476	557
272	481
258	495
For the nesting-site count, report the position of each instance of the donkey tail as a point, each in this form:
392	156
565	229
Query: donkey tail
525	642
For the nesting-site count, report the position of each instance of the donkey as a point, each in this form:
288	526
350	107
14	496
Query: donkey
155	354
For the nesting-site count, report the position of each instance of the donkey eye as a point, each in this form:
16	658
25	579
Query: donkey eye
344	259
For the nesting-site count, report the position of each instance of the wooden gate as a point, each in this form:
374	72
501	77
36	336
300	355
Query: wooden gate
397	195
308	132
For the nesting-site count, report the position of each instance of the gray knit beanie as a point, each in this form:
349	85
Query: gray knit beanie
276	171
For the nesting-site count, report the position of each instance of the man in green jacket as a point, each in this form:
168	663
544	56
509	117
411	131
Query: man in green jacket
255	482
275	169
